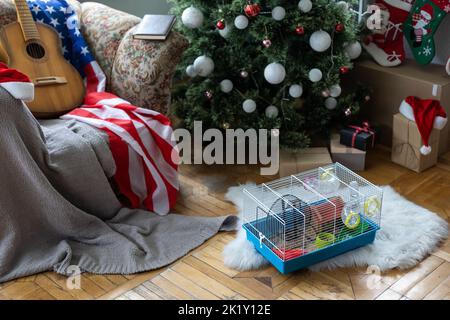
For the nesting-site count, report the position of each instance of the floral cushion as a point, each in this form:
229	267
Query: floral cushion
143	70
103	29
8	12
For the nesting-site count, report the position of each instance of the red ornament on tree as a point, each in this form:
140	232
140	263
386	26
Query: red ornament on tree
252	9
339	27
220	24
343	69
267	43
300	30
209	94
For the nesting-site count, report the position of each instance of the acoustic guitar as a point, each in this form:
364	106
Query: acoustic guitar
35	49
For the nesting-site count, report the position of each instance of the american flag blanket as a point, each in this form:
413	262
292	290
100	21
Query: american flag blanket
141	140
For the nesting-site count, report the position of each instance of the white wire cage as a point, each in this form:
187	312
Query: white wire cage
305	213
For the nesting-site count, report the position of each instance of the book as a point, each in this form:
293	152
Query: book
154	27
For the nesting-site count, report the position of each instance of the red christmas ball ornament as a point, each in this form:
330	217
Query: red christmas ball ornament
339	27
243	74
343	69
209	94
220	24
300	30
348	112
252	9
267	43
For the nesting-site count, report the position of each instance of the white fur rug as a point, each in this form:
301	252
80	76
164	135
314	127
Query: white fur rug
408	234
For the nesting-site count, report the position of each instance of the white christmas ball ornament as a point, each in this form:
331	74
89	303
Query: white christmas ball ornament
191	72
225	31
320	41
315	75
226	86
274	73
330	103
241	22
305	5
353	50
271	112
296	90
249	105
278	13
204	66
335	90
192	18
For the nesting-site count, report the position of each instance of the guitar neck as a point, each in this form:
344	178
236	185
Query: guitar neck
25	18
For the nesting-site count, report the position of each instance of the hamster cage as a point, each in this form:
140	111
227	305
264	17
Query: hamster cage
303	219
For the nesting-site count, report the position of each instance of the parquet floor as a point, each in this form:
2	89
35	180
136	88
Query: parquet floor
202	275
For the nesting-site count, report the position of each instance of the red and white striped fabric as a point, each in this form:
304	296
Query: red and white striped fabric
143	148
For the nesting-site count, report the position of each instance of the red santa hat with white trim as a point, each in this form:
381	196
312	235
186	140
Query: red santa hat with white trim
428	115
16	83
427	12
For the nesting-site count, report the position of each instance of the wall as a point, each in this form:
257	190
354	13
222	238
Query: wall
137	7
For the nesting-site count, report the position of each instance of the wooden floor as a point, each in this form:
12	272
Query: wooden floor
202	275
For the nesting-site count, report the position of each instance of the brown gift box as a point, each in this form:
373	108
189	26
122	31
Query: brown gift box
406	143
390	86
303	160
352	158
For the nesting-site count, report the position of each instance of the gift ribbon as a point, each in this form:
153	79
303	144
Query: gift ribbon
364	128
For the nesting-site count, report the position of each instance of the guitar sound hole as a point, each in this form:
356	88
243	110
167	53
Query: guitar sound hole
35	50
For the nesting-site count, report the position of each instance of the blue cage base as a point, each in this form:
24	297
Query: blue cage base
306	260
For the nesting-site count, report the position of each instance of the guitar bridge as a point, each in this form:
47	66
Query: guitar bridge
46	81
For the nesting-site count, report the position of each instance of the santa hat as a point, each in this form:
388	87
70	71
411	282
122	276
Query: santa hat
427	114
427	11
16	83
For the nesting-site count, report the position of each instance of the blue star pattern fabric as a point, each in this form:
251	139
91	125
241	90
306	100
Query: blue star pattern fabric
62	17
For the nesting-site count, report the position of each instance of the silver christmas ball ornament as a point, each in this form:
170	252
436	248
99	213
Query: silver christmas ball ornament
191	72
274	73
204	66
226	86
249	105
315	75
192	17
305	5
320	41
241	22
335	90
296	90
278	13
330	103
271	112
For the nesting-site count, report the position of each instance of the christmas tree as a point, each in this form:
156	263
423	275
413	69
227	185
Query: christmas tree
267	64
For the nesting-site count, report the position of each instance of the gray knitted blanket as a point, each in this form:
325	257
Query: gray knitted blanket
57	208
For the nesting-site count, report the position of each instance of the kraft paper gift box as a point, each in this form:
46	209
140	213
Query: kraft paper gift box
295	162
406	142
389	86
352	158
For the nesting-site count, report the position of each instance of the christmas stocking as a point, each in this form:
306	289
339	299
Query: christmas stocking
385	45
422	23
